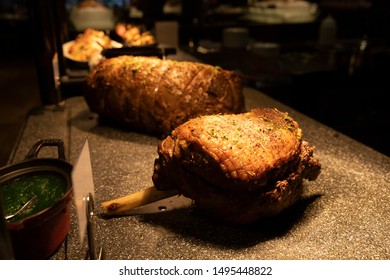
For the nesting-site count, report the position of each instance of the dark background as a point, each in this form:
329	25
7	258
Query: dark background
314	80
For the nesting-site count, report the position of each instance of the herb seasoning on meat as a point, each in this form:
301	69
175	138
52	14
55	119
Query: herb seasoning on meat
237	167
154	96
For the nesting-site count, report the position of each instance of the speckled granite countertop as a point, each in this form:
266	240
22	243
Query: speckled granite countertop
344	214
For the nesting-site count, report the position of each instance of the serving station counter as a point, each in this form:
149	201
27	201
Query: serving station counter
342	215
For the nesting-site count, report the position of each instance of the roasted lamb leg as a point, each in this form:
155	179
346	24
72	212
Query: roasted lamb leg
238	167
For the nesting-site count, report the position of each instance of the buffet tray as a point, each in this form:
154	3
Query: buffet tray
150	50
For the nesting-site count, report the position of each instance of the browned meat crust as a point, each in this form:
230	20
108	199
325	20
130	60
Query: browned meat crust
154	96
237	167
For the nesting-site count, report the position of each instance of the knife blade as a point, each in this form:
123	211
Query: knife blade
82	179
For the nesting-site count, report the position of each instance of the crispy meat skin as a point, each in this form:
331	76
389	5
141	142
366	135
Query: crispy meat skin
240	168
154	96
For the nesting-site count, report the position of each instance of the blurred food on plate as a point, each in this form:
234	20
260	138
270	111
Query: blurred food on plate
133	35
89	44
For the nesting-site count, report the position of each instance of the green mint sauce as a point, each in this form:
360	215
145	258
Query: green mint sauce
48	187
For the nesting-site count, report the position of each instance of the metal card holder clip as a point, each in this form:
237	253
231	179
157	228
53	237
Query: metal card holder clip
95	250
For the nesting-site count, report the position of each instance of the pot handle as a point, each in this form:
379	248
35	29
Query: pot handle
34	151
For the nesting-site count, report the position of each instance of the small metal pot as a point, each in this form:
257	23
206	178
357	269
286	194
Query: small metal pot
39	235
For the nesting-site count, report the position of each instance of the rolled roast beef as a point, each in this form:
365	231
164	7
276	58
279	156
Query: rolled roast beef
237	167
154	96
